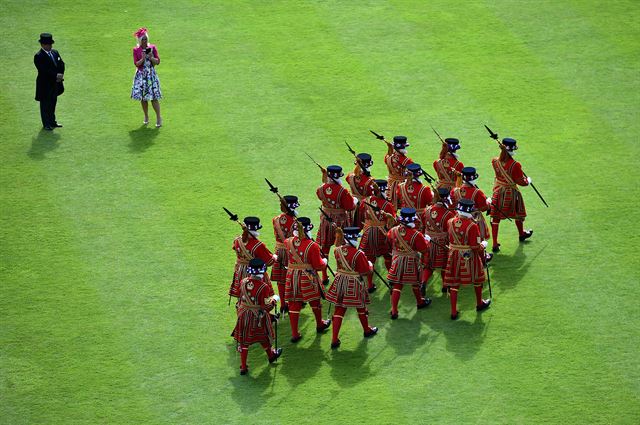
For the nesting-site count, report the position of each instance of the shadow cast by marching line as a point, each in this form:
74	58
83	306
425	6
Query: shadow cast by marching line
43	143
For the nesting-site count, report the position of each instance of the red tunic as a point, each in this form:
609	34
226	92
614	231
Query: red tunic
436	226
414	194
349	289
447	169
336	202
408	244
305	258
361	186
245	252
396	165
479	199
506	194
254	321
374	240
283	226
466	256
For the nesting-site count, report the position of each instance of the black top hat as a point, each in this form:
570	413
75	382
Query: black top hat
46	38
469	173
291	200
452	143
414	168
306	223
252	223
256	266
334	171
466	205
365	159
351	232
400	142
407	215
443	192
382	183
510	143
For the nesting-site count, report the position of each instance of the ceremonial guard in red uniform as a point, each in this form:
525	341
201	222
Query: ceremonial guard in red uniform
408	244
374	243
469	190
283	225
447	166
248	246
436	226
506	195
397	161
349	288
337	203
254	323
465	265
413	194
303	284
361	183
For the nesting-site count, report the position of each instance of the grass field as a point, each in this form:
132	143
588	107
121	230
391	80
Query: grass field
115	251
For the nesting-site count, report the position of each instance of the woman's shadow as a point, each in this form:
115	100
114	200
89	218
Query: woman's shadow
42	143
142	138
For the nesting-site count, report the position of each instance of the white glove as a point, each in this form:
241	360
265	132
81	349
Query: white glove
488	202
529	180
324	261
427	237
484	244
276	298
355	200
275	257
370	264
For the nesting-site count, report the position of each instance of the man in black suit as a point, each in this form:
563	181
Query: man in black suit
49	82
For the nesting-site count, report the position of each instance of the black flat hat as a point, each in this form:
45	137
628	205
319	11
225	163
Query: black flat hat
252	223
414	168
466	205
46	38
443	192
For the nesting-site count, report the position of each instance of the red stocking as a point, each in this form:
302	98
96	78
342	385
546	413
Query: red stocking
495	224
387	262
337	322
317	311
478	289
520	226
364	320
294	314
416	293
395	297
281	293
453	297
426	274
243	356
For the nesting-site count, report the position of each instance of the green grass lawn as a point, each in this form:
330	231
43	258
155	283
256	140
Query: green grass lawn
115	251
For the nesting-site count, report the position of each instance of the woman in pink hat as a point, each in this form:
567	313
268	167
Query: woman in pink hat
146	85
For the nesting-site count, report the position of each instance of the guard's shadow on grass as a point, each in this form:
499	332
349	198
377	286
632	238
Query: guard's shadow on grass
251	392
301	361
508	270
43	143
348	368
464	336
142	138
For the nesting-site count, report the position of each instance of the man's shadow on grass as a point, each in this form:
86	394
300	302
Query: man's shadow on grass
303	360
508	270
142	138
464	336
251	392
43	143
349	367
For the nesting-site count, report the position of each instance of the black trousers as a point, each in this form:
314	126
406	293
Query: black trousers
48	110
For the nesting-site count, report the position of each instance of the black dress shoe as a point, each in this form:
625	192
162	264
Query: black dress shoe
295	339
48	128
423	289
371	332
425	303
444	290
485	305
284	309
275	354
244	371
526	235
335	345
455	316
496	248
372	289
56	125
325	325
394	316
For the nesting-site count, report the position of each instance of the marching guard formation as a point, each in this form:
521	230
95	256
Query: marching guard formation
418	224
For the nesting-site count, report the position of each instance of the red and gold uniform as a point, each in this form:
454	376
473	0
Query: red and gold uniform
408	245
349	288
283	226
374	240
448	167
246	248
414	194
303	284
436	226
336	203
254	324
396	164
361	185
475	194
465	265
506	195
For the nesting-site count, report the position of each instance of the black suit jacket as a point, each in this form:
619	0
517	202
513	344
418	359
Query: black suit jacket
46	85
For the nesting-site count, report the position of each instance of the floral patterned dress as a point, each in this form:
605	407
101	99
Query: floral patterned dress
146	85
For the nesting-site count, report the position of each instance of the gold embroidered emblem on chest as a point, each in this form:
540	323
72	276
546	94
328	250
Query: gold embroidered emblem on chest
434	214
296	242
458	224
328	190
250	286
283	220
410	188
402	231
345	250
